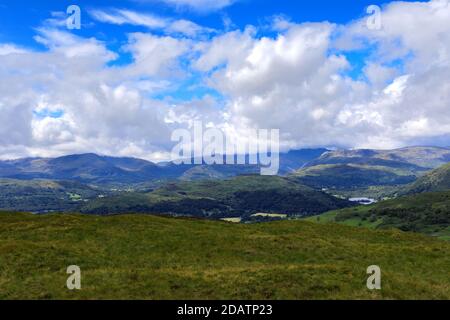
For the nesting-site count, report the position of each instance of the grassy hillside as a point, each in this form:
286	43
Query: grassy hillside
43	195
436	180
146	257
241	196
427	213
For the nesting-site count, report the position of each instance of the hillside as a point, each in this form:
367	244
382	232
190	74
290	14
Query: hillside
240	197
212	172
146	257
352	176
44	195
371	173
428	213
436	180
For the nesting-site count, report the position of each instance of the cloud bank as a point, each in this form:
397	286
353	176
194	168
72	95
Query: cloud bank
73	98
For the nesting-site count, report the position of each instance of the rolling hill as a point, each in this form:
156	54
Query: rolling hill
351	176
423	206
148	257
44	195
240	197
436	180
371	173
427	213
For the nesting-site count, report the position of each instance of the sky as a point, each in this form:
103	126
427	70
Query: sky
338	74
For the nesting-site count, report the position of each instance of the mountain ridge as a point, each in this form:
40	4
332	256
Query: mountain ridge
90	167
420	156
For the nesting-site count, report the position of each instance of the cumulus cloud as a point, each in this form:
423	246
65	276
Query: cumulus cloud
155	55
99	108
296	83
289	82
72	98
414	45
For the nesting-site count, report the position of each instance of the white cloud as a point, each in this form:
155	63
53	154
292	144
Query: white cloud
129	17
104	109
188	28
6	49
292	82
72	46
289	82
152	22
295	81
154	55
200	5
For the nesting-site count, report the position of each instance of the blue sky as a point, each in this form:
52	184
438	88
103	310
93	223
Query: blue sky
19	20
139	69
20	17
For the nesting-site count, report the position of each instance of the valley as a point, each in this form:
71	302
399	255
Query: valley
241	196
404	188
423	206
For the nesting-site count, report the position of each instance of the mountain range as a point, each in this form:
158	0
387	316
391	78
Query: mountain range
95	169
403	164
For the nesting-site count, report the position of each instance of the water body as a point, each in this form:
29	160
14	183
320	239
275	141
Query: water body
364	201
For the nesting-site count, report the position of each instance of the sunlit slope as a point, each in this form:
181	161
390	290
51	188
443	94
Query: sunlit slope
147	257
427	213
436	180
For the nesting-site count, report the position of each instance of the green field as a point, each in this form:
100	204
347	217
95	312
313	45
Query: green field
148	257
